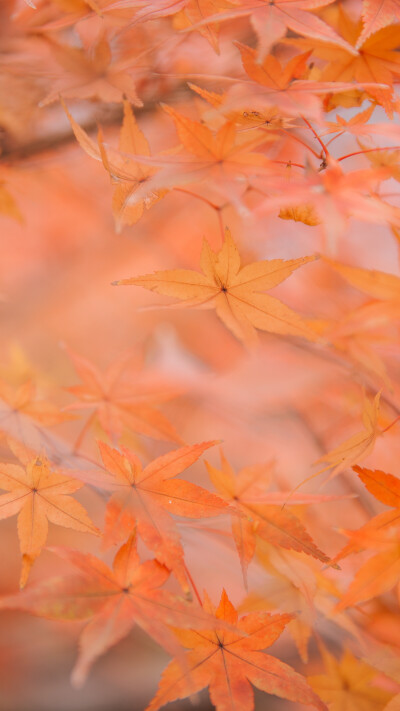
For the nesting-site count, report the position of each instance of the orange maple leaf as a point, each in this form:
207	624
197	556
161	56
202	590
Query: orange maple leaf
90	74
348	684
195	13
131	142
269	119
384	287
335	196
39	495
226	156
380	573
114	600
257	513
234	291
229	663
147	497
376	60
21	400
358	446
135	186
291	87
123	397
377	14
272	18
380	285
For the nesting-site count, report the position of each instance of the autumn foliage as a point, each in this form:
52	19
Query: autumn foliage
200	363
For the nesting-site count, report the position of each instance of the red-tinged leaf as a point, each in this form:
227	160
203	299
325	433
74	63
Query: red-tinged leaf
123	397
385	487
375	527
378	575
251	518
230	664
270	21
376	61
145	498
114	601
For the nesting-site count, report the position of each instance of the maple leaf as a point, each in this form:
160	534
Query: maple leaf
297	588
348	684
229	664
39	495
256	513
124	397
377	14
234	291
377	576
147	11
147	497
375	60
387	158
273	84
358	446
114	601
90	74
135	189
269	118
225	157
195	13
22	400
358	125
385	488
381	572
132	141
382	286
349	336
334	195
300	213
271	19
23	415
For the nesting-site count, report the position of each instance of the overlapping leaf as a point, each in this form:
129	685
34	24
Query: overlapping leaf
147	497
230	664
257	513
381	572
114	600
123	398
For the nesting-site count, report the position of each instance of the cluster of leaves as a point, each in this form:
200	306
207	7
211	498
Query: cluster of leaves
251	147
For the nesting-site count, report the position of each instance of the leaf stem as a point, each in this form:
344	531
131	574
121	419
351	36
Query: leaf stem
191	581
391	424
299	140
320	141
370	150
216	208
82	433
